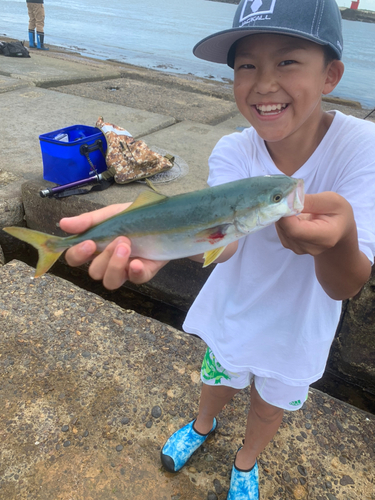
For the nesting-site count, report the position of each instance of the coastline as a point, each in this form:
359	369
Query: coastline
205	86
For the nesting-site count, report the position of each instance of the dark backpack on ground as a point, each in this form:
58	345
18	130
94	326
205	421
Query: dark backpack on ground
13	49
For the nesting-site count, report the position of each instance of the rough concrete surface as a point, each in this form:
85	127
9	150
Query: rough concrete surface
7	84
91	391
157	98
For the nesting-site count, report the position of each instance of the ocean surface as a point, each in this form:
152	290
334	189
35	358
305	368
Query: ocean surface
161	35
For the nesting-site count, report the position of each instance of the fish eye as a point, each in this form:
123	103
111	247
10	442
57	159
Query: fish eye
277	197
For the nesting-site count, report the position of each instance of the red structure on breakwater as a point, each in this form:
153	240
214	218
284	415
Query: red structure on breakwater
355	5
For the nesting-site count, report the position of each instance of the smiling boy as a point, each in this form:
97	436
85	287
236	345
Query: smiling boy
269	310
278	83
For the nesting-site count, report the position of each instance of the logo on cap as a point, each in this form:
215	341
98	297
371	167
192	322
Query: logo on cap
256	9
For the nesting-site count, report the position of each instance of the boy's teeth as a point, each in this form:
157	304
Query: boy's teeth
267	108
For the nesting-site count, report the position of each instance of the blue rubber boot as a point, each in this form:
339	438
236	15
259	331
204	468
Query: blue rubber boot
40	41
181	445
244	485
32	39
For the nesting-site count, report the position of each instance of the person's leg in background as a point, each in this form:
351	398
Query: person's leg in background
32	25
40	27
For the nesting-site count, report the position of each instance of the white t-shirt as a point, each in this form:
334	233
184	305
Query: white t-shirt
264	310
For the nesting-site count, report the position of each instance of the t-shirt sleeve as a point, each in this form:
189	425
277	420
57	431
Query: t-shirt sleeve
356	184
359	193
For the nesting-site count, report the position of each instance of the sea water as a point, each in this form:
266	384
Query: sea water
161	35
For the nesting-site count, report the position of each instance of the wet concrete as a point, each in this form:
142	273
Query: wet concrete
91	391
171	97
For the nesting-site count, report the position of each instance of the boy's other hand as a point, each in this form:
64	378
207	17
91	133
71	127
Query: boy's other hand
326	229
113	266
326	220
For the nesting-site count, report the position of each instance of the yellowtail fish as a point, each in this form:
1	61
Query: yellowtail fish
199	222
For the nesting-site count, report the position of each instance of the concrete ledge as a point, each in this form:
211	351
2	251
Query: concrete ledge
90	392
159	93
43	70
8	84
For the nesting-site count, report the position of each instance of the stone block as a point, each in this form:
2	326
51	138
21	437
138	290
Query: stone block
353	351
11	207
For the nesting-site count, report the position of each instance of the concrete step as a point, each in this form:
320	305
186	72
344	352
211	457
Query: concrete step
53	68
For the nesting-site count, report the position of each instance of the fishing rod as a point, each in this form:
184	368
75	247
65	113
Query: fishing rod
369	114
94	179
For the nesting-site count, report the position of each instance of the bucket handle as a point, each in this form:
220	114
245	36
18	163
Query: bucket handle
85	150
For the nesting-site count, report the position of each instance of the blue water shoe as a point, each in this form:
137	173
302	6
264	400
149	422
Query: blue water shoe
244	485
181	445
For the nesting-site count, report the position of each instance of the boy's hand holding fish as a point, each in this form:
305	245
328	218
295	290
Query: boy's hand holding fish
325	219
113	266
326	229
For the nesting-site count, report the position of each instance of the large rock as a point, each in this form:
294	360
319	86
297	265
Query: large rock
353	351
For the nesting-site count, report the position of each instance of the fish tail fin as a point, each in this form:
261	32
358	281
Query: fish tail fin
47	245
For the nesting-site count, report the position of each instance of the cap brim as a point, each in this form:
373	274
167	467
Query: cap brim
215	48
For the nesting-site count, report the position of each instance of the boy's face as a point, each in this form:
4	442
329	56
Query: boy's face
278	83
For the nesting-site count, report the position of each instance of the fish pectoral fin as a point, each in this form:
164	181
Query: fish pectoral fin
211	255
145	198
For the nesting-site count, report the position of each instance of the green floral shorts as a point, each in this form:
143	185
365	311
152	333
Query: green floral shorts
271	390
212	373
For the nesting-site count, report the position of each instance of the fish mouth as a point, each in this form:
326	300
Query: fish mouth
296	198
270	109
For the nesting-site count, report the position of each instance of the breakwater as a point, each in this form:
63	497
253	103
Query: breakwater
365	16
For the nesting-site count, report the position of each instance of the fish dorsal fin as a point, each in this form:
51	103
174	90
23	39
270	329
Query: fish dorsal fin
211	255
146	198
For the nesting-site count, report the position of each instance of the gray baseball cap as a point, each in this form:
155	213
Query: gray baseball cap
315	20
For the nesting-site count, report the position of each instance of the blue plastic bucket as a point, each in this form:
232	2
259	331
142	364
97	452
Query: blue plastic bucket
64	153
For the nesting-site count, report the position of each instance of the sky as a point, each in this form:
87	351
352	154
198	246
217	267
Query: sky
363	4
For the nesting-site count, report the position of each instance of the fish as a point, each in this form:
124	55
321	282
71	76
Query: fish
193	223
